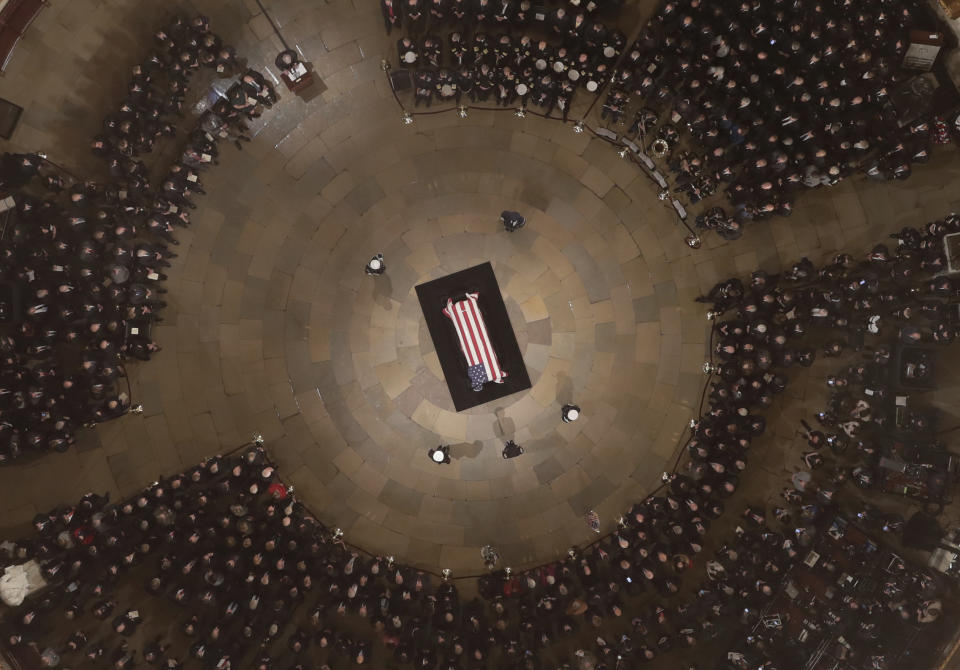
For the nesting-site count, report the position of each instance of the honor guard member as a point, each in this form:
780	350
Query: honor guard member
512	220
511	449
440	455
407	51
458	50
423	82
375	266
430	50
446	85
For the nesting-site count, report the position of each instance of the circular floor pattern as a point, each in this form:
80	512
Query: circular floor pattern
370	396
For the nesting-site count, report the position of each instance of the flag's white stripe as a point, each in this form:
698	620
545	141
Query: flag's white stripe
470	350
449	311
480	334
497	373
468	310
490	360
472	357
468	334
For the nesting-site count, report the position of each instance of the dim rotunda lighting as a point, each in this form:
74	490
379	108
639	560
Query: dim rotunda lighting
385	65
711	316
446	572
390	560
462	111
136	409
621	521
407	118
578	127
521	113
709	368
258	439
508	571
572	552
693	241
622	153
337	534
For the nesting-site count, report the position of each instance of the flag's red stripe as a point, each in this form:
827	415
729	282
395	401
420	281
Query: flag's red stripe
450	312
472	333
494	372
473	357
469	312
489	360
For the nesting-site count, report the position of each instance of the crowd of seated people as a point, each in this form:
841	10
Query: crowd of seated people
257	582
418	15
875	307
259	579
891	312
157	92
810	579
842	587
520	615
70	296
771	98
499	52
87	259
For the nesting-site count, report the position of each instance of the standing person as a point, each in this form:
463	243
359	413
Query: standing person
511	449
288	59
375	266
512	220
569	413
440	455
415	16
392	14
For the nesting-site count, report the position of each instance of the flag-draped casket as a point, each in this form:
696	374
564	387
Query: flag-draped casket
482	363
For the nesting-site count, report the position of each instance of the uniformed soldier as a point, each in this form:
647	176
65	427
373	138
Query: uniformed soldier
446	85
440	455
512	221
511	449
484	82
407	51
465	83
503	50
375	266
430	50
506	86
481	49
458	50
423	83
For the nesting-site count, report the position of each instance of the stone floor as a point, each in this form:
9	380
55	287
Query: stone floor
274	329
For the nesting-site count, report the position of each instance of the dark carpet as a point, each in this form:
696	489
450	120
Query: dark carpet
433	297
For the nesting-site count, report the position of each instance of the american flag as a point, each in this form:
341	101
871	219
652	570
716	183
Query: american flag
482	363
